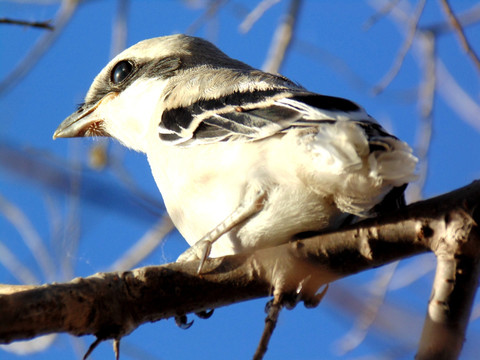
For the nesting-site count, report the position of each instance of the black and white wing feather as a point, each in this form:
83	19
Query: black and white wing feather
249	116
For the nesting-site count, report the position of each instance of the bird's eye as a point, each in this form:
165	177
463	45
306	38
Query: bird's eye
121	71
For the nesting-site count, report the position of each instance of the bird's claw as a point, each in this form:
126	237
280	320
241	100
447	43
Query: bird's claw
205	246
310	297
199	251
182	322
205	314
314	300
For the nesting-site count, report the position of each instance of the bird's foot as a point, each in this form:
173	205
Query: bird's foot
199	251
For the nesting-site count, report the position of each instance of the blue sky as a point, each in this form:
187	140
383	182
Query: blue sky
90	231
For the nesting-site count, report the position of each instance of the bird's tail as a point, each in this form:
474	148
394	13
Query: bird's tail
359	164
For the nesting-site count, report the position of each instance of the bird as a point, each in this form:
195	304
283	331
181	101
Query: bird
243	159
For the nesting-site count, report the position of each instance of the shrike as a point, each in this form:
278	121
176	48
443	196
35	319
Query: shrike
243	159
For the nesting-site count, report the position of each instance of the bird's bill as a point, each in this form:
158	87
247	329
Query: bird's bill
85	121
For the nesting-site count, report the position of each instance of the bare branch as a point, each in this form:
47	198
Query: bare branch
454	287
211	10
144	246
51	173
256	14
119	33
372	20
273	311
457	98
412	29
40	48
12	263
282	39
336	63
363	322
111	305
460	33
466	18
46	25
451	92
427	45
29	235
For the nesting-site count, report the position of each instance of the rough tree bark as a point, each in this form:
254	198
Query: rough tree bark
111	305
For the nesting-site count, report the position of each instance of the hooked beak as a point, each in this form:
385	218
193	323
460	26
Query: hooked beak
85	121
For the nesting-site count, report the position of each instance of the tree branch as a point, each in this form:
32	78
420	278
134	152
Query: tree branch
454	287
111	305
460	33
62	17
46	25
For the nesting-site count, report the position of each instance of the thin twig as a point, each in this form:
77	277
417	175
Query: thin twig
467	18
466	108
412	271
211	10
119	33
456	97
40	48
116	348
334	62
35	24
460	33
372	20
273	310
364	321
29	235
426	101
144	246
282	39
412	29
12	263
92	347
256	14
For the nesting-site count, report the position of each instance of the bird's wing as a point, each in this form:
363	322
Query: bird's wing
254	115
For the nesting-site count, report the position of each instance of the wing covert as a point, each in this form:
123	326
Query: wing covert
254	115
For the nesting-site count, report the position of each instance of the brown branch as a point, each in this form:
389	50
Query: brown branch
273	311
35	24
454	288
460	33
111	305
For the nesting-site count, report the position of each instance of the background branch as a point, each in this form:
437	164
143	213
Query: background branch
282	39
460	33
35	24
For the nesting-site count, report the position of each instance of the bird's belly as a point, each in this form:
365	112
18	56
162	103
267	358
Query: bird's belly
287	211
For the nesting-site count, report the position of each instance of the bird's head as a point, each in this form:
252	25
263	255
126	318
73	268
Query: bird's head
127	97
